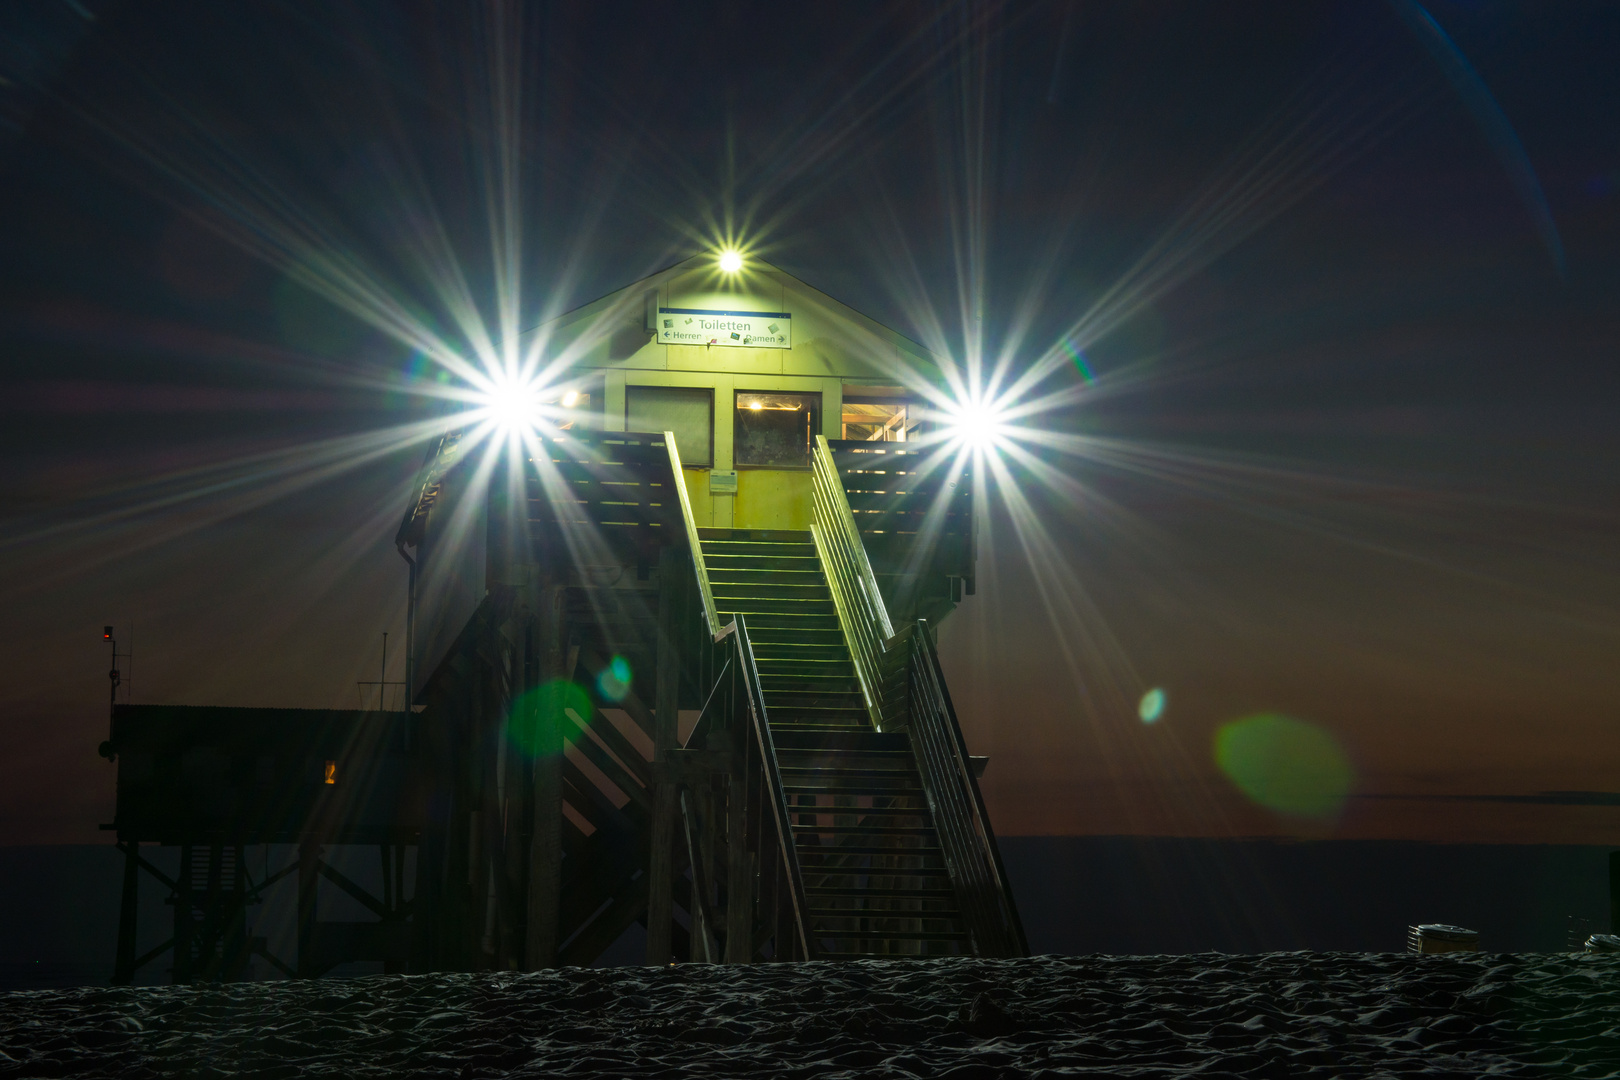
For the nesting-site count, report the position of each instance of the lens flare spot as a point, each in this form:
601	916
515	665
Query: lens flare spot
730	261
1152	706
1285	765
1079	359
614	680
540	716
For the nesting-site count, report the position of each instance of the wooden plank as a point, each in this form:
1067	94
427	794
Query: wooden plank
666	734
545	845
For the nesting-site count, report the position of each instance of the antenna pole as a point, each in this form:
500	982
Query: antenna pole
382	680
113	679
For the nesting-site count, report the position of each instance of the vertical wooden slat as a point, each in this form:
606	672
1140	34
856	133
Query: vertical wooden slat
666	734
739	867
545	844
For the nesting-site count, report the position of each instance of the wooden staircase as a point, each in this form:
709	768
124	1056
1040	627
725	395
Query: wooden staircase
875	878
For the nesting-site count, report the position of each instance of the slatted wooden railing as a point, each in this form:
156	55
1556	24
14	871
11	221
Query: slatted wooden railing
912	506
602	496
862	614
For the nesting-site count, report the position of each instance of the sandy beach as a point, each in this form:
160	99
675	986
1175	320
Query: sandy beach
1206	1015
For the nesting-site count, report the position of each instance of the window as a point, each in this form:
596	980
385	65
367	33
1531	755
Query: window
689	413
776	430
876	421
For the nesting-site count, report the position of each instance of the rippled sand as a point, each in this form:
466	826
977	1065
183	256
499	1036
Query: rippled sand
1209	1015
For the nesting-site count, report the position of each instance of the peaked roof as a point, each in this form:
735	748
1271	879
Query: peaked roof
629	298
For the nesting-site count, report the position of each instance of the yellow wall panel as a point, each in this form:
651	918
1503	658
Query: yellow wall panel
772	499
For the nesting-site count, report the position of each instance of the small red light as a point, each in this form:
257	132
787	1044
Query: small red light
106	635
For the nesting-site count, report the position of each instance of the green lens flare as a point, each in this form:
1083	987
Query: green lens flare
614	681
540	717
1152	706
1285	765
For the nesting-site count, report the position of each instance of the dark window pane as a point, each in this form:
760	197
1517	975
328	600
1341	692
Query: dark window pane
775	429
688	412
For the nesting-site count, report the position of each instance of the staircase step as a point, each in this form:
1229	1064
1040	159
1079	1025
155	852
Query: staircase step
854	785
866	830
717	562
794	619
795	635
852	720
752	576
753	607
865	910
868	740
802	838
899	935
883	894
726	595
878	924
819	728
783	701
845	763
813	669
812	683
927	880
793	651
760	549
881	813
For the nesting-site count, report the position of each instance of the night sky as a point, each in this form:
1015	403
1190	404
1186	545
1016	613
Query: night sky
1344	283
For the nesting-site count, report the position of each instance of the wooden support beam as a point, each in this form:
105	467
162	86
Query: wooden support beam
672	565
545	845
740	874
309	861
182	918
124	962
704	949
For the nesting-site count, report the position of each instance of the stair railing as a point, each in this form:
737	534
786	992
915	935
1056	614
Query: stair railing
965	837
862	615
711	617
734	655
753	699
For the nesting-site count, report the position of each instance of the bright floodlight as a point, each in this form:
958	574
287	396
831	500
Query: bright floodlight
730	261
978	424
513	405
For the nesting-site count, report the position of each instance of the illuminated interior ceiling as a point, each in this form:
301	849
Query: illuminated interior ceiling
875	422
771	402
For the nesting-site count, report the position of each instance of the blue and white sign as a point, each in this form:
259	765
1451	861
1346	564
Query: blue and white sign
737	329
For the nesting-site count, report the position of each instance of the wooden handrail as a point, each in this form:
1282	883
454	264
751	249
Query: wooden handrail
711	617
745	670
781	813
862	615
